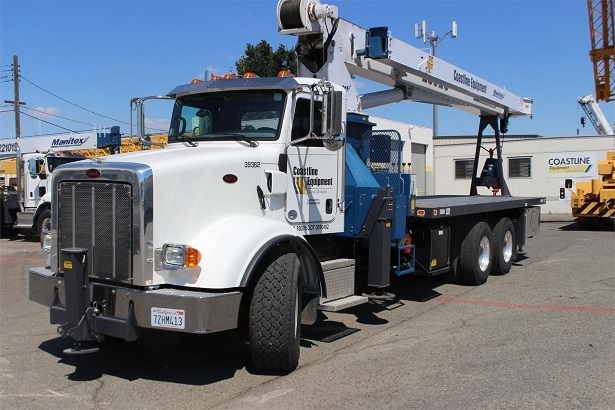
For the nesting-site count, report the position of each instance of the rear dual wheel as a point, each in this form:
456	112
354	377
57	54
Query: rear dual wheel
505	247
475	256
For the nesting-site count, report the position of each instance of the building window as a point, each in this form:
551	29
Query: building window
519	167
464	168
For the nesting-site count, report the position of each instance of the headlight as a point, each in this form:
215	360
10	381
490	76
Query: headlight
179	256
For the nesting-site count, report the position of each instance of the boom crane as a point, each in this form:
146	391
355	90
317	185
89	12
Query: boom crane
595	115
602	54
336	50
294	167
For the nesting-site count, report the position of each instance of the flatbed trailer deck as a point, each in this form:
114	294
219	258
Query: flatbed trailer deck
438	206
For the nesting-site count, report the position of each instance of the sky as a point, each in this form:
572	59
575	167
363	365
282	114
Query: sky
82	61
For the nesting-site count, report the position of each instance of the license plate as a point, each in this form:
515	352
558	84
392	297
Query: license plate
169	318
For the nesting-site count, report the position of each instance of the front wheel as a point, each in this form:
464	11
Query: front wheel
275	321
44	222
475	257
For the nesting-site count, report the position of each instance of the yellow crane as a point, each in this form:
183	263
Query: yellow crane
602	54
594	201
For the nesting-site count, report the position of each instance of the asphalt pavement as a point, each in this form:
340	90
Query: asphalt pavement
540	337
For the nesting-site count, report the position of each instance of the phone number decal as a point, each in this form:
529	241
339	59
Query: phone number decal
312	227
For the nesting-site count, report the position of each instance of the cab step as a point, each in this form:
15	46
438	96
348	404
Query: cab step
343	303
339	277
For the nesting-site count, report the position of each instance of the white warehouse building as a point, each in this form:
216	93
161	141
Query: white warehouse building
532	165
536	166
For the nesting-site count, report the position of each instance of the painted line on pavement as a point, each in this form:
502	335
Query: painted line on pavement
525	306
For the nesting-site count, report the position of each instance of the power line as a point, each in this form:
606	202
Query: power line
7	75
76	105
57	116
47	122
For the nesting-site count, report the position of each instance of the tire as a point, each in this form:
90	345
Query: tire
43	222
504	246
275	313
458	233
475	257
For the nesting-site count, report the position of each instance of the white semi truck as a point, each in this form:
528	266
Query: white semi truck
275	198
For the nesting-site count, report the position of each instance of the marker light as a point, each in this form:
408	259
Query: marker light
249	75
216	77
196	80
179	256
285	73
229	76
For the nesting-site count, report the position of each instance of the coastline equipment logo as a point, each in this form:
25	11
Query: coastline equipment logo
307	178
572	165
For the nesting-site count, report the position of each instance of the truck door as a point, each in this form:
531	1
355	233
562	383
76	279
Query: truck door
314	177
34	187
314	172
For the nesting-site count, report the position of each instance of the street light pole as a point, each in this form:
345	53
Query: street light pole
434	40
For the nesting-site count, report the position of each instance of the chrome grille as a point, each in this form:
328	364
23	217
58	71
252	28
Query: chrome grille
97	216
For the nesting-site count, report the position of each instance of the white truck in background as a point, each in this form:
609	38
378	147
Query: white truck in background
234	224
25	204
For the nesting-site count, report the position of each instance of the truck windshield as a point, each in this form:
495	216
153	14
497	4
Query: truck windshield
53	162
253	115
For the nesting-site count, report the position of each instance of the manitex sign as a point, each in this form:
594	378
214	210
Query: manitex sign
572	165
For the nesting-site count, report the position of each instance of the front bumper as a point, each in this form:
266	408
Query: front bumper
118	311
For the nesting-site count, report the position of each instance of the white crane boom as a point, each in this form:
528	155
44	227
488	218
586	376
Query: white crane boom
336	50
595	115
49	143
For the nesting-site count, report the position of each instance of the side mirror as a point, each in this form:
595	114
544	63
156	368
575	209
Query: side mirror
332	121
332	114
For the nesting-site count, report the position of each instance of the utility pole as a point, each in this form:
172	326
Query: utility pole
16	103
